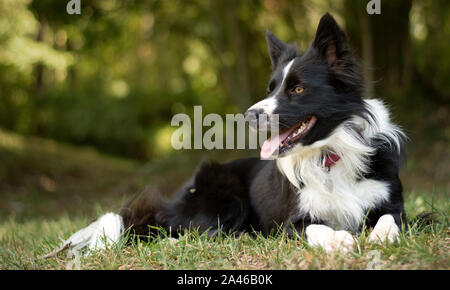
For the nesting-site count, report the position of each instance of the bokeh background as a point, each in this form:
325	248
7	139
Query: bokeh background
86	100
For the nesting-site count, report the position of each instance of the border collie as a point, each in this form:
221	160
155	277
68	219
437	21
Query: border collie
335	171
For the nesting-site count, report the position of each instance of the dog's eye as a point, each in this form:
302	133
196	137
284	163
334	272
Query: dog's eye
298	90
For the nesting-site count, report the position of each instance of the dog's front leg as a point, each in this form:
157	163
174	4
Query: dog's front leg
329	239
386	229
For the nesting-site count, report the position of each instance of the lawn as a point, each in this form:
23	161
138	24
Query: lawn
49	190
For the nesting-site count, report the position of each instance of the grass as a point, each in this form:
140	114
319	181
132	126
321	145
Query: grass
39	179
22	243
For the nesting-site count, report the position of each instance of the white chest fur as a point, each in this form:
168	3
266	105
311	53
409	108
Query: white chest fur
345	202
338	197
334	197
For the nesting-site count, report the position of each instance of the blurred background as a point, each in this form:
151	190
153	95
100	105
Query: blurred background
86	100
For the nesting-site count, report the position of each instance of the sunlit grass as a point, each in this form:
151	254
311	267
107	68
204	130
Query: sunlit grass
21	245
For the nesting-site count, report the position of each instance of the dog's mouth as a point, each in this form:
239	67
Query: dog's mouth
287	139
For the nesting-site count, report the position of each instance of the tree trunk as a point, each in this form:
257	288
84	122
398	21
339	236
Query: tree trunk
39	68
230	42
384	45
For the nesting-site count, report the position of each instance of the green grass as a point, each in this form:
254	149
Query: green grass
21	245
49	190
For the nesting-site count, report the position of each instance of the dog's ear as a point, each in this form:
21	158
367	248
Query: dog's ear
330	40
331	44
276	48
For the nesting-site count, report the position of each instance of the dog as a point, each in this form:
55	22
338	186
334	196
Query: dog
334	167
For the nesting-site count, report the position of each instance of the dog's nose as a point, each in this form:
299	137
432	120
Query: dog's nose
252	114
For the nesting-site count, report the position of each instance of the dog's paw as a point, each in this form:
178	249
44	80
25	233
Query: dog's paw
385	230
172	241
329	239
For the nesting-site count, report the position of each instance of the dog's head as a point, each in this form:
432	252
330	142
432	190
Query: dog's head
311	92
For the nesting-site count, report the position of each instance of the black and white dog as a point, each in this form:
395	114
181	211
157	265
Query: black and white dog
336	168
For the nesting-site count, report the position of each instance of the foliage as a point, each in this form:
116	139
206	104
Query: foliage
114	76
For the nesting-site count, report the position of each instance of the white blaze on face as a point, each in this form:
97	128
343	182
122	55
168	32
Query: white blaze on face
268	105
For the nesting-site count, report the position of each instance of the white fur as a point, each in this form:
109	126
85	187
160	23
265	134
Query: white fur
336	196
286	70
381	125
329	239
268	105
105	231
385	230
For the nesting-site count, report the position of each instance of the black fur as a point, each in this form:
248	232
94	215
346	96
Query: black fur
217	195
330	77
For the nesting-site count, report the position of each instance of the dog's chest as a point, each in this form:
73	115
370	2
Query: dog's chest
333	195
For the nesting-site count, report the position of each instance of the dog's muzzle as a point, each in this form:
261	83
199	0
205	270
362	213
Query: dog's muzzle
258	120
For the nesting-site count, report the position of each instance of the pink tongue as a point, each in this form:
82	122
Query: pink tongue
271	145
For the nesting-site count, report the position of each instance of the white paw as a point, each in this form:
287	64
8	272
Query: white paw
329	239
385	230
344	240
172	241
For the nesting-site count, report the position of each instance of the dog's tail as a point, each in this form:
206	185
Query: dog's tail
104	231
145	212
425	219
141	210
